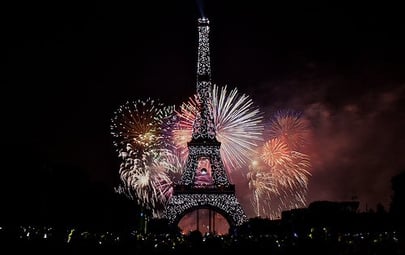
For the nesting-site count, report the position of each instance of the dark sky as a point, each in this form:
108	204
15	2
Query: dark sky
69	66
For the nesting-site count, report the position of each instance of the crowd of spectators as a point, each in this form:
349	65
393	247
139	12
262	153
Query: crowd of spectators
315	240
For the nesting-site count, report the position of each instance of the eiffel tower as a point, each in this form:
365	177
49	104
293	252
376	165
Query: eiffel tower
204	183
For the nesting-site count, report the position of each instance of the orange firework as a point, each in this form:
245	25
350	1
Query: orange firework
292	128
286	167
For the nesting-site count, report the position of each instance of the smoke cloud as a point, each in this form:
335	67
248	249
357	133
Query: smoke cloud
358	140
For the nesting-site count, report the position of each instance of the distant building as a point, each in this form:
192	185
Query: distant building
322	210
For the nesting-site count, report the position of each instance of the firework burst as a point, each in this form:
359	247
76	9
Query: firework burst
147	179
238	125
142	124
141	132
289	167
275	152
291	128
285	166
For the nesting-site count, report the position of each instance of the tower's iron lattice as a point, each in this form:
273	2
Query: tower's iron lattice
204	183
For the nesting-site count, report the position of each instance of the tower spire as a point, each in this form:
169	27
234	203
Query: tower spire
204	62
203	127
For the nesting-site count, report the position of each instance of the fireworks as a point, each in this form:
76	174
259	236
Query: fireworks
291	128
183	130
275	152
279	178
289	135
290	167
238	125
262	184
172	163
142	124
147	179
151	140
140	130
273	193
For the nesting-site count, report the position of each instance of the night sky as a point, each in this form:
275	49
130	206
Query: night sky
69	66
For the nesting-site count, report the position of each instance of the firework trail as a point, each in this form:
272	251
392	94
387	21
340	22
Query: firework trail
172	163
273	205
262	184
238	125
273	193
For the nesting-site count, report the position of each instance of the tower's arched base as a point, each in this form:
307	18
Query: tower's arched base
226	204
204	220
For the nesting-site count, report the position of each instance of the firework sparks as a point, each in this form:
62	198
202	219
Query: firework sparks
272	192
261	183
278	178
284	168
290	167
275	152
147	179
238	125
141	134
183	130
142	124
290	127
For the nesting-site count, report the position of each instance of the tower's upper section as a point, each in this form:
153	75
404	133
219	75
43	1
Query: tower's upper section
203	65
204	128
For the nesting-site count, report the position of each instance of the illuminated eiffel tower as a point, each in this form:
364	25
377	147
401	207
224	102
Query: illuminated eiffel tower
204	183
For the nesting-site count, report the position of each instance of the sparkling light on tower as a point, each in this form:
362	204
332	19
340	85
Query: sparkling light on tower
203	152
